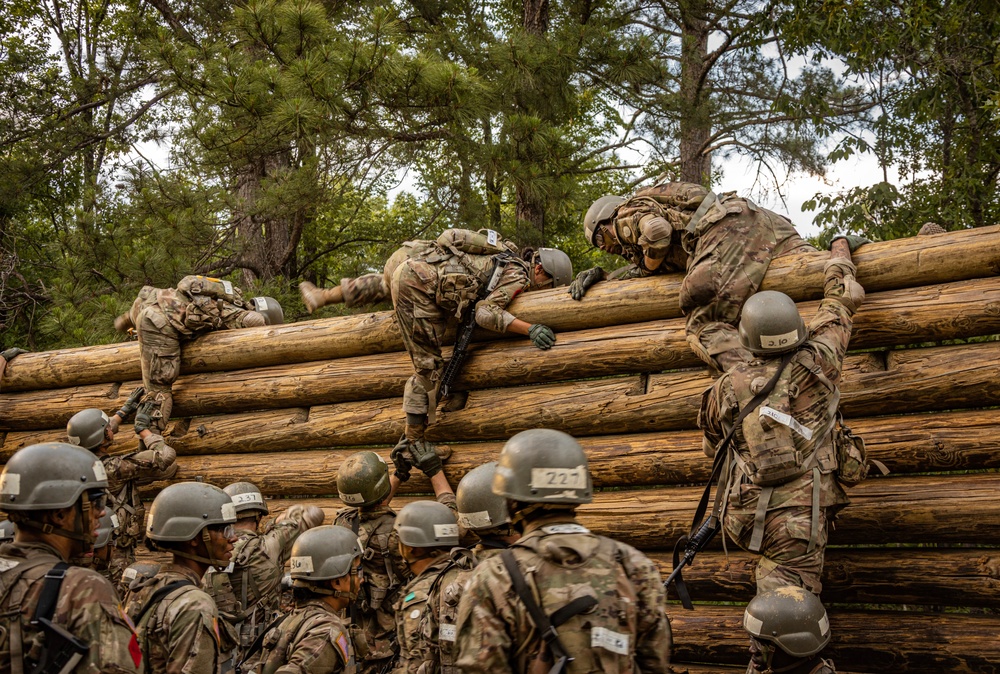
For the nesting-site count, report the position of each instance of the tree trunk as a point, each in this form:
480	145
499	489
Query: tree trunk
695	118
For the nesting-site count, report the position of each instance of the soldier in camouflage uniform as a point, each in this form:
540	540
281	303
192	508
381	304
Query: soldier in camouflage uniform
248	592
153	460
326	566
483	512
788	628
177	622
724	242
55	493
606	599
780	483
166	318
427	611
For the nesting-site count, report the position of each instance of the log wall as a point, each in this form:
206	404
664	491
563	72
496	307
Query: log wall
912	579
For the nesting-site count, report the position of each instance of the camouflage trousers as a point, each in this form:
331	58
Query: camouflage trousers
422	324
785	556
160	357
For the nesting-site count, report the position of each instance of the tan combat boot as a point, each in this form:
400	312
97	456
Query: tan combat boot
314	297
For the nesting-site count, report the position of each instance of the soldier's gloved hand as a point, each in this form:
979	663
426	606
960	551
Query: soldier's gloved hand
131	403
854	241
144	417
400	460
425	458
588	277
11	353
541	336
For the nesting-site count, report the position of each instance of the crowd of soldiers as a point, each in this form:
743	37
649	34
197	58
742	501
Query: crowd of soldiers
495	575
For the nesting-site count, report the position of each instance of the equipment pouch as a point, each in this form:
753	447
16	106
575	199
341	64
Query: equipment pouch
213	288
456	288
853	463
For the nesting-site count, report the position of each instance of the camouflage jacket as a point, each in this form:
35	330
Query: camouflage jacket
427	613
385	574
87	607
627	631
812	379
180	633
187	314
312	640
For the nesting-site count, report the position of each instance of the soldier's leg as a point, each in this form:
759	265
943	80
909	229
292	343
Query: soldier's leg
314	297
160	358
786	558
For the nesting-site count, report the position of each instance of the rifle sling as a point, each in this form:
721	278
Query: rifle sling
157	596
257	643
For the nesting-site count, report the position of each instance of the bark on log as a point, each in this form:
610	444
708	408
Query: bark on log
907	444
911	576
902	263
932	313
873	641
909	380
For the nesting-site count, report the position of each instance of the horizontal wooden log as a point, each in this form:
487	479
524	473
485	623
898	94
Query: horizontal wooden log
933	313
902	263
872	641
909	380
907	444
909	576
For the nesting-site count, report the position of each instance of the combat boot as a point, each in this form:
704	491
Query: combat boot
314	297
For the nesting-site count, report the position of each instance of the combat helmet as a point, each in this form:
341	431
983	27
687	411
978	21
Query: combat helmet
7	531
600	211
182	510
363	479
556	264
478	507
427	524
543	465
107	526
246	498
86	428
324	553
270	309
790	617
771	324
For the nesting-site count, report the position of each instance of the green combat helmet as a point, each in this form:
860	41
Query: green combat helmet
86	428
106	527
6	531
270	309
182	510
427	524
136	573
479	508
600	212
363	479
542	465
771	324
790	617
246	498
557	265
324	553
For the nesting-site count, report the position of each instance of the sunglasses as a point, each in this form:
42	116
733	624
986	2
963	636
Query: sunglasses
226	530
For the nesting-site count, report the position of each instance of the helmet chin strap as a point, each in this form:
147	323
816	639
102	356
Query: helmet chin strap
211	561
80	531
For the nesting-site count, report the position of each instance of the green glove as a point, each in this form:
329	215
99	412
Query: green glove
400	460
541	336
144	417
578	288
131	403
854	241
11	353
425	458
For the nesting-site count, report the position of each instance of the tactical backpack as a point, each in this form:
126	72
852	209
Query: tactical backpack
853	464
449	593
211	288
277	640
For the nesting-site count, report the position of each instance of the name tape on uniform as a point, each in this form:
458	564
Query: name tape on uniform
778	341
114	521
492	237
559	478
250	497
99	471
786	420
10	484
448	632
609	640
479	520
229	512
566	529
303	564
228	287
352	499
445	530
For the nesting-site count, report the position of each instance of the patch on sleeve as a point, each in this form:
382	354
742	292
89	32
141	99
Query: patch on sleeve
340	641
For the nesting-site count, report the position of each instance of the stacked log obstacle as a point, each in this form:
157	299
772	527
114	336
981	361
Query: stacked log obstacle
913	573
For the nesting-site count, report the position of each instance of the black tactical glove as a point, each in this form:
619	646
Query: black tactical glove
578	288
541	336
131	403
144	417
854	241
11	353
425	458
400	460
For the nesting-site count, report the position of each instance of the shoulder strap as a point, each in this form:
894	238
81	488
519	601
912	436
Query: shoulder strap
258	642
158	596
46	607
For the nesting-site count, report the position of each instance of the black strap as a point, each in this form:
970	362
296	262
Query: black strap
49	595
575	607
258	641
157	596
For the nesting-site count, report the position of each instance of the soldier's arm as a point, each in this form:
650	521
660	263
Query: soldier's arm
653	639
323	649
193	638
483	643
491	311
830	330
89	608
289	526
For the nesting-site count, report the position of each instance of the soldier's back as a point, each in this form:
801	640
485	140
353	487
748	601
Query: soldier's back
312	639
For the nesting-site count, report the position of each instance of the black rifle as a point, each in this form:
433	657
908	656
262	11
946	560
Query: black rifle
461	351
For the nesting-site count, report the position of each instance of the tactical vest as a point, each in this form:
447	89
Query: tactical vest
128	507
278	640
211	288
601	638
147	611
446	591
13	642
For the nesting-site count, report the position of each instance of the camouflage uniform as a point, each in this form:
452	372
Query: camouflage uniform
496	633
87	607
434	287
426	615
374	288
248	595
794	533
180	633
126	473
164	319
385	573
312	640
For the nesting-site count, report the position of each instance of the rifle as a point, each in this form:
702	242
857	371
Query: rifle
62	651
461	351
